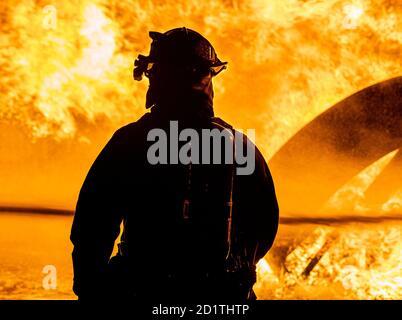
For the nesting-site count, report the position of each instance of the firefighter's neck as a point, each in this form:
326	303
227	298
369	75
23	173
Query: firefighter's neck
184	109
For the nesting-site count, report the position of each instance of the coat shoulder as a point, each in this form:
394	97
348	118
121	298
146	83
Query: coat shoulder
140	124
222	122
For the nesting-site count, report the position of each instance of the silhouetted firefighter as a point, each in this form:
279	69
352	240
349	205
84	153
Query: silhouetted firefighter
192	231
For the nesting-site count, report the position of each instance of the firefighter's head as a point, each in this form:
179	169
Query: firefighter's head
180	67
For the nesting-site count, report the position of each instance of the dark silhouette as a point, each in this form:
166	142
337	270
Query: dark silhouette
176	242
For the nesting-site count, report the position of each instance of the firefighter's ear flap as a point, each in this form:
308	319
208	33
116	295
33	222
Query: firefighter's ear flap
154	35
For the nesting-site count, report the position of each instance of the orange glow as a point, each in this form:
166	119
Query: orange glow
66	85
348	262
351	196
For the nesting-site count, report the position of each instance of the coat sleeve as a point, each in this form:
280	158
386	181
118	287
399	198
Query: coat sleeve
97	220
266	207
256	208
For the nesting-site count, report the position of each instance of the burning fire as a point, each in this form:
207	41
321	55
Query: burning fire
66	67
343	263
296	58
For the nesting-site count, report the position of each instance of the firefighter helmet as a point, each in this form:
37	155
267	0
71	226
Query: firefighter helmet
179	47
